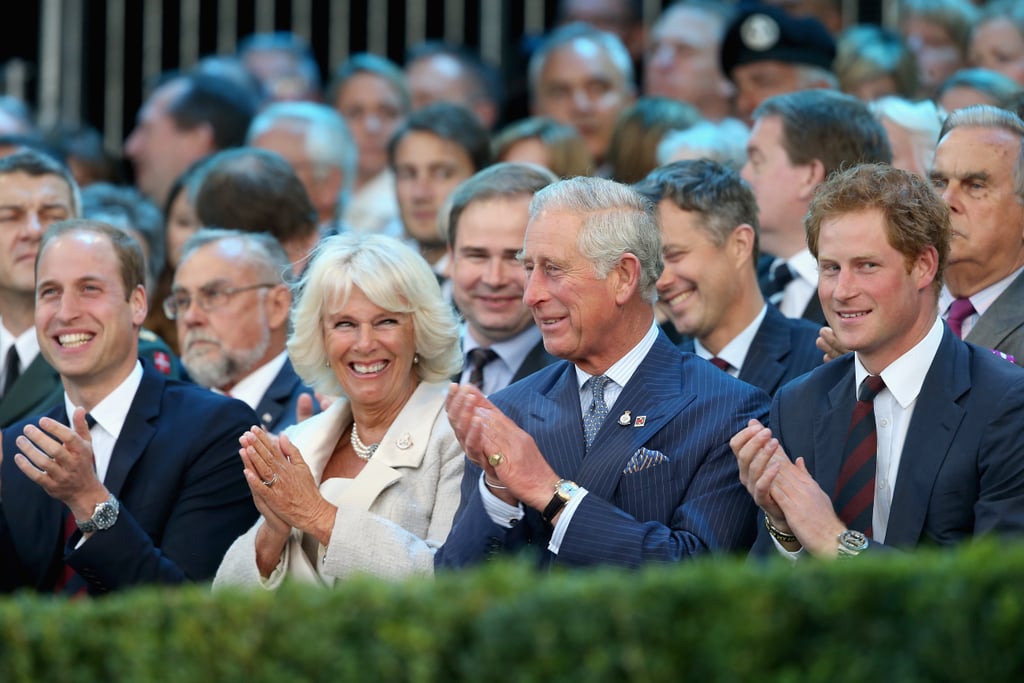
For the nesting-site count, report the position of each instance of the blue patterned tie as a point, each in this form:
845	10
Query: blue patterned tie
598	411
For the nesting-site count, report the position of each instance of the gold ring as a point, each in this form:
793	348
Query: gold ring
271	481
496	459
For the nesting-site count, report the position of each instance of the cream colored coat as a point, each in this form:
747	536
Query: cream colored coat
391	518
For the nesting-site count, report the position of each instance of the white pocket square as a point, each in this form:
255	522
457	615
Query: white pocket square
644	459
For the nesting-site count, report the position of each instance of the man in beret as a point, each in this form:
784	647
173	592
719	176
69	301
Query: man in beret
767	52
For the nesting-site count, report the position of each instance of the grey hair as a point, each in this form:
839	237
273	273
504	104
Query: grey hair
921	120
987	116
392	276
617	220
328	141
262	250
561	37
724	141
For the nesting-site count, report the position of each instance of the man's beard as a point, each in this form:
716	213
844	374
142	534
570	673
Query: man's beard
220	368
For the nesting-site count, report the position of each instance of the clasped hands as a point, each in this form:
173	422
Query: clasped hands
785	490
521	473
283	487
60	460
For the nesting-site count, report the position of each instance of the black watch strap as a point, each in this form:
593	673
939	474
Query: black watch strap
553	508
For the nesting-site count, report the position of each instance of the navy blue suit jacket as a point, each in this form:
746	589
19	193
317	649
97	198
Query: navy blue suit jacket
680	497
782	350
176	471
961	472
276	410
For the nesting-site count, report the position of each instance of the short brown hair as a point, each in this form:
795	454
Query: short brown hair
915	216
126	248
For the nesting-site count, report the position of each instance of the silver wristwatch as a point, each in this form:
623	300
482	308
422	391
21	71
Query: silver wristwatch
103	517
852	543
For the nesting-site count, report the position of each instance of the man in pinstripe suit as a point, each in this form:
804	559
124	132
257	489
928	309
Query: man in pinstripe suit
619	454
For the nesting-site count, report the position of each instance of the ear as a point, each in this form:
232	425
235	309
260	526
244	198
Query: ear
278	303
926	266
625	278
814	175
740	245
137	301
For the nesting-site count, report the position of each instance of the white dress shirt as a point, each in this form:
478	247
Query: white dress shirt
110	415
894	408
512	352
735	352
253	386
802	287
27	344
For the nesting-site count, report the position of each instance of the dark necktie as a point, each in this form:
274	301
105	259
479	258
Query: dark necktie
855	489
478	358
959	311
12	369
720	363
781	275
598	411
70	526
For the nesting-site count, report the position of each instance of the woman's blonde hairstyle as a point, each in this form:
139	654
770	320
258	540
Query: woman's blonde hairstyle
392	276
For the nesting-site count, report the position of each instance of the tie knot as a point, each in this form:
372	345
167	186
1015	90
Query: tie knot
870	387
720	363
480	356
597	385
959	311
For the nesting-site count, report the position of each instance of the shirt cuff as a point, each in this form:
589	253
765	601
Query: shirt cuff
558	533
500	512
791	555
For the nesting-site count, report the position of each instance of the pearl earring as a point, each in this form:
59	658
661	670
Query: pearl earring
415	358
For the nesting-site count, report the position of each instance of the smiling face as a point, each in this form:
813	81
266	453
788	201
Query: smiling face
701	280
875	306
371	352
87	325
487	280
577	312
974	172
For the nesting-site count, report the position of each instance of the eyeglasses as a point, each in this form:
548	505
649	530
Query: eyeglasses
208	298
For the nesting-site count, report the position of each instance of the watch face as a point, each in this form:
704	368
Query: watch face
566	489
105	515
854	540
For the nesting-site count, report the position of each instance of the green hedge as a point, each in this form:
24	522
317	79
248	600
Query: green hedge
929	617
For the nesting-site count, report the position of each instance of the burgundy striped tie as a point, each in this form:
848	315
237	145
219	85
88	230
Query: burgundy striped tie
855	489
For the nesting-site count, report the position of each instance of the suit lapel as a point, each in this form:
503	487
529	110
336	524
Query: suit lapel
556	421
277	396
652	393
763	365
34	385
830	432
936	419
137	431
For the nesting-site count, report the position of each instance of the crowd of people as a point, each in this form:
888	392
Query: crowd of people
745	280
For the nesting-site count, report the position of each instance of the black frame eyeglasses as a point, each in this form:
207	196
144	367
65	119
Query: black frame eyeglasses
207	298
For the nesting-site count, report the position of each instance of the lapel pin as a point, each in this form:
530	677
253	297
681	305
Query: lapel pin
267	418
640	421
405	441
624	419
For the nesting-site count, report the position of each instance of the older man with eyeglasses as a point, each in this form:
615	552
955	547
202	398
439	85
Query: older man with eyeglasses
230	301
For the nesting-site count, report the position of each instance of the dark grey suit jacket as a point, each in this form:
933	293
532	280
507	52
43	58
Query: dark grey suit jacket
1002	326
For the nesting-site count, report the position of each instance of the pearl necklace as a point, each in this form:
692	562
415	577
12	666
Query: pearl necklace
362	450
